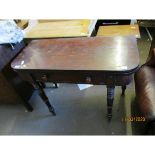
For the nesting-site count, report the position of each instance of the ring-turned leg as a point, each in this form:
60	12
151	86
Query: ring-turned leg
123	90
110	98
45	99
43	95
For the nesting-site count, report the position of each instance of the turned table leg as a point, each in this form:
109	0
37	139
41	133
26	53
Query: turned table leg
43	95
123	90
110	98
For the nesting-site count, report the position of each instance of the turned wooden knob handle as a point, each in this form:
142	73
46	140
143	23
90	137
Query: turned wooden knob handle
88	79
44	78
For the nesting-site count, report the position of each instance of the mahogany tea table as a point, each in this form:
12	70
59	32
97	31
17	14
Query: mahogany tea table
109	61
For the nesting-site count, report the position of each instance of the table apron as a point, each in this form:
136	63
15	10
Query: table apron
83	78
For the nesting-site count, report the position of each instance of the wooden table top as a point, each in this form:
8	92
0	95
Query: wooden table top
88	54
59	28
119	30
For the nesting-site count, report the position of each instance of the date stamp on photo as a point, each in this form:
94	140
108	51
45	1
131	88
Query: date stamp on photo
133	119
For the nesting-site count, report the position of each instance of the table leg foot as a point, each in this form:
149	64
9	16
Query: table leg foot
28	107
110	98
46	101
123	90
50	107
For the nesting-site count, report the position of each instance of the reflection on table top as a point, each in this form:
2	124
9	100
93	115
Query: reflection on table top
119	30
86	53
59	28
